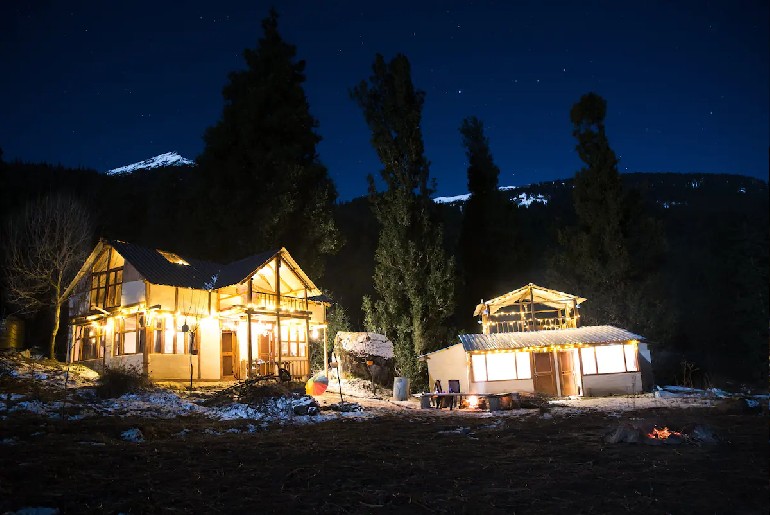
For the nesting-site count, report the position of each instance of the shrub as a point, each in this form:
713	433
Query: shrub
120	380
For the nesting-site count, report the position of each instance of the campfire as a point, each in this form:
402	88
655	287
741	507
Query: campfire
663	434
656	434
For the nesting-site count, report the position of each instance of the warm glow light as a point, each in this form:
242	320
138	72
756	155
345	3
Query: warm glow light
473	401
662	434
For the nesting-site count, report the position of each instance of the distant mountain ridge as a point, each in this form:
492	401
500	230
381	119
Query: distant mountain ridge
159	161
666	189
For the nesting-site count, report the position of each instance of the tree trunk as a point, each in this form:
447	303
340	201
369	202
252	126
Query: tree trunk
55	330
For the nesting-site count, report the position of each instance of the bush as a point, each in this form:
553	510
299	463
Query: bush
120	380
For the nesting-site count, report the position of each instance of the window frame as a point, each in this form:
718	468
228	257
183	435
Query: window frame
624	350
486	379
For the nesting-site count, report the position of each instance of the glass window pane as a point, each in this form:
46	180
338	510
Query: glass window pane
501	367
129	343
129	323
609	359
589	363
523	367
479	365
630	351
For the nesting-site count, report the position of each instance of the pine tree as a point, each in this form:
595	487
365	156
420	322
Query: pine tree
413	277
487	242
613	255
264	184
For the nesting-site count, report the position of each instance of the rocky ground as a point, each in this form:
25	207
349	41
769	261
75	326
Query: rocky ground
206	451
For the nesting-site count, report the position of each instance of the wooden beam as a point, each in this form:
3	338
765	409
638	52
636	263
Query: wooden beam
278	306
248	328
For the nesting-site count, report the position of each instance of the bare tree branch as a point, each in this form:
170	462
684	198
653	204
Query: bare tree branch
45	243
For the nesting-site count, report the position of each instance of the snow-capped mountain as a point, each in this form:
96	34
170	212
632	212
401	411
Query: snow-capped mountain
167	159
523	199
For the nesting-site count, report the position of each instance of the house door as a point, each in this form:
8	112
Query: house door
265	353
545	382
567	373
228	354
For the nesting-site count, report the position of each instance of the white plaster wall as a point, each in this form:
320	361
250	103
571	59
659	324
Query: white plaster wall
607	384
132	293
194	301
447	364
644	351
163	295
131	361
514	385
172	366
210	349
316	312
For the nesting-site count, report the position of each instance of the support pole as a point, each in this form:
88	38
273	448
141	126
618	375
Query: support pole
278	306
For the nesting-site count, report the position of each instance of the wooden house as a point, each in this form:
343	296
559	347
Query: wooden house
532	341
173	317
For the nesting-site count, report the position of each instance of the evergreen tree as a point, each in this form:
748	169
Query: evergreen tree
413	277
261	176
487	242
613	255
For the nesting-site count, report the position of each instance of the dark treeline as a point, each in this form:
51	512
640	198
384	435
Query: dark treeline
715	267
679	258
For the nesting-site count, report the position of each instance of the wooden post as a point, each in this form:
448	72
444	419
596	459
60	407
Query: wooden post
278	305
326	349
574	313
532	307
248	328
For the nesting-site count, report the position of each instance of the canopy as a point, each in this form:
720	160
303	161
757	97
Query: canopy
552	298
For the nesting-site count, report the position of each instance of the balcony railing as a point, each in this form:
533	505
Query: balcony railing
267	302
519	325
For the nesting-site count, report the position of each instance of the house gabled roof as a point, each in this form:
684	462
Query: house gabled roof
155	266
597	335
553	298
157	269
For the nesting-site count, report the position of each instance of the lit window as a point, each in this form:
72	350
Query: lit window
523	367
630	351
479	365
609	359
589	360
501	367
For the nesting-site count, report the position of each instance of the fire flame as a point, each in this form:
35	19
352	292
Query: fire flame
473	401
662	434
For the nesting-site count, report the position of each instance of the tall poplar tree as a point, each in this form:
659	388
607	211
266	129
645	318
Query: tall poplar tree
487	242
613	255
413	277
262	181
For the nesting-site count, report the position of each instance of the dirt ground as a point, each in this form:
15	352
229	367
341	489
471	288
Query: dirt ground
397	461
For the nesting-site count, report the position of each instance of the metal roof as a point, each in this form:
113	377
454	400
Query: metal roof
158	270
199	274
596	334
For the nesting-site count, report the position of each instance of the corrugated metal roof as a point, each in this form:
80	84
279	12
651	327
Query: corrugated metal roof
199	274
158	270
596	334
239	270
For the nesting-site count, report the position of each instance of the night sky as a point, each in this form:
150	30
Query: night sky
102	84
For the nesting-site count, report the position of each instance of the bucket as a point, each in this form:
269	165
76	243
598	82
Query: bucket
400	388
